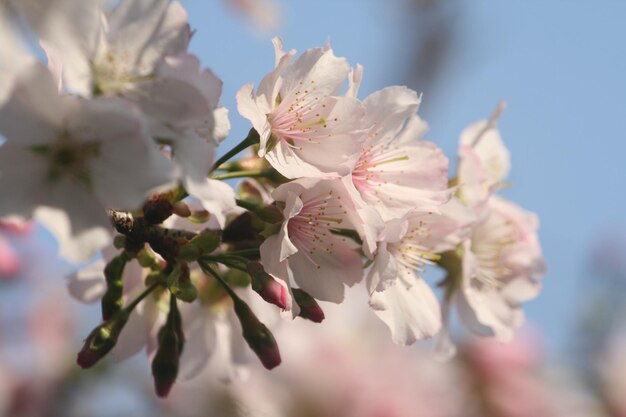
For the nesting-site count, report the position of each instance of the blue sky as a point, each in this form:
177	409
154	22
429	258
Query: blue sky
560	65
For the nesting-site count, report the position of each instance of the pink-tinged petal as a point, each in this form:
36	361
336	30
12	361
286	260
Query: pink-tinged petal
388	109
354	78
321	66
30	114
9	261
272	82
474	187
248	107
411	312
486	313
217	197
149	30
88	284
484	138
286	161
323	273
363	218
383	272
332	139
445	349
271	250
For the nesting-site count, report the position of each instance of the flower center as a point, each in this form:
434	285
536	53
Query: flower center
310	230
411	251
68	158
488	245
112	71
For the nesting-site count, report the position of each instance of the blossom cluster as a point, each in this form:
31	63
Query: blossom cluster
117	136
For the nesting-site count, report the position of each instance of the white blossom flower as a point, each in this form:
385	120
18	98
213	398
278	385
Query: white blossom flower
502	267
81	156
138	51
397	172
398	294
500	261
305	129
305	249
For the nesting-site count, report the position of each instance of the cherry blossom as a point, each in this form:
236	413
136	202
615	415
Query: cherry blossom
305	129
305	248
83	156
397	172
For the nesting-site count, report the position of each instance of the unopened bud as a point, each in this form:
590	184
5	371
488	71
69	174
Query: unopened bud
207	240
181	209
180	285
189	252
257	335
266	286
270	214
166	361
309	308
119	241
157	209
112	300
101	340
201	216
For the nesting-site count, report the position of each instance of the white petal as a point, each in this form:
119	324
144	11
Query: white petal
148	30
200	340
80	231
411	313
485	139
323	274
88	284
389	108
32	113
321	66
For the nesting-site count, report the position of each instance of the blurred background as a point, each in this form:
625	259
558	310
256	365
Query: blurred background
560	67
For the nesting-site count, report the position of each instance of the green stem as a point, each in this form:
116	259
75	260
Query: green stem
253	138
206	268
247	205
245	253
226	261
143	295
243	174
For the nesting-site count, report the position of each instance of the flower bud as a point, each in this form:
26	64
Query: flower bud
101	340
200	216
157	209
112	300
181	209
207	240
119	241
166	361
266	286
257	335
180	285
309	308
270	214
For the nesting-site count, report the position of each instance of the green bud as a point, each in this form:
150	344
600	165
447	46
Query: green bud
180	285
171	344
207	241
119	241
101	340
112	301
257	335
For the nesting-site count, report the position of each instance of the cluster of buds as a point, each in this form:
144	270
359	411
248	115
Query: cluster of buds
119	135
